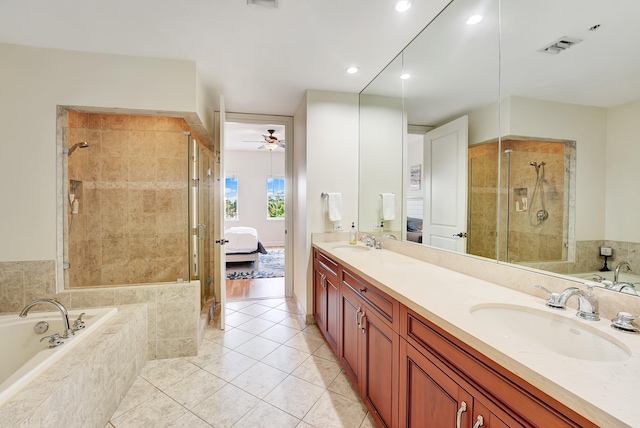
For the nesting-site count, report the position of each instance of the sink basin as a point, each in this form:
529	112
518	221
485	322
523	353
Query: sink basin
352	248
564	336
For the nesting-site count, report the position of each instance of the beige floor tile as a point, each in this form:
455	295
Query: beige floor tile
259	379
164	373
272	303
294	396
285	358
233	338
237	305
334	410
140	391
256	325
189	420
294	321
266	416
279	333
208	352
290	307
368	422
225	407
313	329
254	310
159	411
274	315
303	424
214	334
343	386
318	371
325	352
237	318
230	365
257	348
305	342
194	388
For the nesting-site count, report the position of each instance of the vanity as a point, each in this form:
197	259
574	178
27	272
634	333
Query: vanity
428	346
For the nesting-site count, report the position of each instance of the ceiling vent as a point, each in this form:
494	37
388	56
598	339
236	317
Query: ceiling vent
560	45
265	3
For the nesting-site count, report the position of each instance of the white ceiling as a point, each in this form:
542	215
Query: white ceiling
262	59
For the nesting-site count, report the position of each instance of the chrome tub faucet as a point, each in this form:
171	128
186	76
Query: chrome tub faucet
68	332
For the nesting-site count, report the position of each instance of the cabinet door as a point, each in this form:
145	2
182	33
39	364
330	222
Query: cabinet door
319	298
380	355
429	398
332	320
350	312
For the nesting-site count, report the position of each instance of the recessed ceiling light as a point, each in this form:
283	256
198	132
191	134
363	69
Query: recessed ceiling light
405	76
474	19
352	70
403	5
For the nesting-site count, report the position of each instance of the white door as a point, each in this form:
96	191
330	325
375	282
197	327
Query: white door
220	239
445	199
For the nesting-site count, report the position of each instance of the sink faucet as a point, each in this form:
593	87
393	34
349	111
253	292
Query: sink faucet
616	273
587	304
370	241
65	316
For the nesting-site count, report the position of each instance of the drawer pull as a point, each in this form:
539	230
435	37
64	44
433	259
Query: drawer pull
323	281
461	410
479	422
363	290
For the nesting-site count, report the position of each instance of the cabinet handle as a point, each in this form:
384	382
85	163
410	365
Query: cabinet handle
479	422
358	318
323	281
461	410
362	319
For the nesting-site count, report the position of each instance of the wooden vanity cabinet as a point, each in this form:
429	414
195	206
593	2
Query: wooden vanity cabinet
369	346
436	368
326	298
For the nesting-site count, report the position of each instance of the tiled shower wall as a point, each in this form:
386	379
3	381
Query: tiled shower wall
131	184
483	200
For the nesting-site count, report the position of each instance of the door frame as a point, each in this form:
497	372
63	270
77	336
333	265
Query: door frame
287	122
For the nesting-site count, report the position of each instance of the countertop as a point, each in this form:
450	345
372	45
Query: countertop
603	392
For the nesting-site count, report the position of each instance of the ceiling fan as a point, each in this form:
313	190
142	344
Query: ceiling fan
271	142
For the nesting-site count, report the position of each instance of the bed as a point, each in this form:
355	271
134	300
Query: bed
244	245
414	229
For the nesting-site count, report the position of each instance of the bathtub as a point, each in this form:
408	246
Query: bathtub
22	354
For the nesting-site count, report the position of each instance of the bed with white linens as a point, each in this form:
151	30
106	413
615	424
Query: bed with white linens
244	245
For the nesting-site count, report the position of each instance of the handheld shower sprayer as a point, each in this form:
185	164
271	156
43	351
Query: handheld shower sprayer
80	145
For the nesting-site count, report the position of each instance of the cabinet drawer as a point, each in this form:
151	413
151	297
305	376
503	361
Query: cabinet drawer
326	263
482	376
387	307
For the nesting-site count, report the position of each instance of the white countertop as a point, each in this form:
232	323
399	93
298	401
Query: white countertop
603	392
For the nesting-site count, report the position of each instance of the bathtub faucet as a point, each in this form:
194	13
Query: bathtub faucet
65	316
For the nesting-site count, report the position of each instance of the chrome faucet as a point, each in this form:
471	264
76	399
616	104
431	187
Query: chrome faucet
616	273
65	316
371	242
587	304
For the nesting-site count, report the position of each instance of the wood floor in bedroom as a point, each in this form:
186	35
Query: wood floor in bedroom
262	288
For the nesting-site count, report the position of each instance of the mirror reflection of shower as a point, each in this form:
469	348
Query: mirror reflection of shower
80	145
538	192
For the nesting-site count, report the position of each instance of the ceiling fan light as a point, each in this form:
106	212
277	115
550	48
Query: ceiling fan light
271	146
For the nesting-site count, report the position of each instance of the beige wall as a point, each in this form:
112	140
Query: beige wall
33	81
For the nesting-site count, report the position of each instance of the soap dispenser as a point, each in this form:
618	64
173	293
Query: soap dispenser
353	234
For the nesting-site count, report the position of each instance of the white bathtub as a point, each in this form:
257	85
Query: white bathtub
23	356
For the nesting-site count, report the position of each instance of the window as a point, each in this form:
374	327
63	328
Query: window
275	197
231	197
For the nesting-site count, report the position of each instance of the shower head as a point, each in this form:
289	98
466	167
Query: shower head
80	145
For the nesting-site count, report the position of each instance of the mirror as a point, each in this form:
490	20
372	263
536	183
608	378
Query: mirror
563	89
442	88
570	82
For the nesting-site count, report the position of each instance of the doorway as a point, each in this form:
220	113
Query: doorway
257	190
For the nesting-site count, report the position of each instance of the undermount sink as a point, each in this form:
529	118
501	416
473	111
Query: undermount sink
564	336
351	248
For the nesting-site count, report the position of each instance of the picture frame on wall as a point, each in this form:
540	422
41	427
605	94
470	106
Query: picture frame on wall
415	177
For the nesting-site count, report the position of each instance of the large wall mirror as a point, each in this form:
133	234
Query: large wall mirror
548	99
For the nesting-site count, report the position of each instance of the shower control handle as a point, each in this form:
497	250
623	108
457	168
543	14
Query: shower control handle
54	340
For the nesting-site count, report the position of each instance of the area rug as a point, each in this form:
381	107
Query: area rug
270	265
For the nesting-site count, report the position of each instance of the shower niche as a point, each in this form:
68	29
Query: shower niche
537	186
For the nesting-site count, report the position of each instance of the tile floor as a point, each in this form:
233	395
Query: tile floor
267	369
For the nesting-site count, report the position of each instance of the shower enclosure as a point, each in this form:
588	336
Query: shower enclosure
536	189
136	202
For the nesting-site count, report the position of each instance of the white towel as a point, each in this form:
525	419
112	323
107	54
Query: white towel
334	201
388	206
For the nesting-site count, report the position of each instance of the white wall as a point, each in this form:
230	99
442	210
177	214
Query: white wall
622	204
33	81
252	169
326	154
588	127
